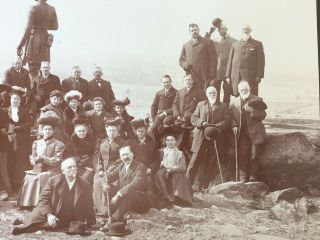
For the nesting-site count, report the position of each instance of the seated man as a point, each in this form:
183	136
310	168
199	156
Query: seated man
210	118
42	86
105	155
65	198
247	112
18	76
129	192
162	106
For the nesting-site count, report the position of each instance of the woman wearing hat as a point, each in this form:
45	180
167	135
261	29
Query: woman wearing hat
19	138
55	106
45	158
125	129
73	110
81	147
170	179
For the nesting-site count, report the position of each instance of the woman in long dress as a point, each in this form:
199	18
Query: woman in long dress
170	179
45	158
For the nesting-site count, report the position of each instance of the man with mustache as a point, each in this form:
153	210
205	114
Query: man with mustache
247	112
65	198
246	62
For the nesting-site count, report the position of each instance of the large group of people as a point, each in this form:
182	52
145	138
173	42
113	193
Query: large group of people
73	152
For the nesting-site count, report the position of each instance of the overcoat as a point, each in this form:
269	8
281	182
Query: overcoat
162	102
81	85
104	91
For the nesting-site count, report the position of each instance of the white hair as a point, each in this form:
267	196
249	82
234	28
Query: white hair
43	63
66	162
243	84
210	88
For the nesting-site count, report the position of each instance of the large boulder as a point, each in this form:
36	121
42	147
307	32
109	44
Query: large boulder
288	194
290	160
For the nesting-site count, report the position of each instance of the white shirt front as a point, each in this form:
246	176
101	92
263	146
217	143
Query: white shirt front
14	114
70	184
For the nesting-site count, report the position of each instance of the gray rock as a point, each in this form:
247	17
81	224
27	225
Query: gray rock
289	195
250	190
169	227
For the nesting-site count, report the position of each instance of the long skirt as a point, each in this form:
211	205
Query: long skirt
175	184
31	188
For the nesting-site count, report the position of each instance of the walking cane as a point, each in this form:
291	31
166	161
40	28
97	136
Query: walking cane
107	192
215	146
236	153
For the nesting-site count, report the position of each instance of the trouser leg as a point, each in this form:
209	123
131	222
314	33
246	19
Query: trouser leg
227	91
217	85
4	171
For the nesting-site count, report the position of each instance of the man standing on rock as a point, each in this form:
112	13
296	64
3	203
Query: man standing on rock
247	112
246	62
199	58
36	39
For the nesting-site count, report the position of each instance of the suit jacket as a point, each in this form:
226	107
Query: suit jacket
42	17
106	153
223	50
105	92
163	102
131	181
202	57
52	200
255	126
4	124
246	61
70	83
42	87
20	79
52	151
97	123
186	101
219	117
147	153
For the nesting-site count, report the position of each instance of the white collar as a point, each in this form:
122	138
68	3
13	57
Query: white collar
70	184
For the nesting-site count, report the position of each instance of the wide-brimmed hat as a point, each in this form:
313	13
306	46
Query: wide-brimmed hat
78	228
257	104
48	118
211	132
137	123
112	122
73	94
56	93
117	229
22	92
123	102
80	120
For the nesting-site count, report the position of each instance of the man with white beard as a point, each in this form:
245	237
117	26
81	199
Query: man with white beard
246	62
210	119
247	112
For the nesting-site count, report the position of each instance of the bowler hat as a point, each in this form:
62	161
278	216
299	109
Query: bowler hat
56	93
211	132
78	228
257	104
117	229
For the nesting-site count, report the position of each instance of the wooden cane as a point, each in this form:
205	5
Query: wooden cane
106	179
236	154
215	147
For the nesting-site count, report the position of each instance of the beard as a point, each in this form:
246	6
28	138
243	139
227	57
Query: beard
245	96
245	37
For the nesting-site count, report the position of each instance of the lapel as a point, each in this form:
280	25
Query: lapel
129	172
43	81
78	191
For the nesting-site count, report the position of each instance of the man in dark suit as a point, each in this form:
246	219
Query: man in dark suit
246	62
65	198
161	107
43	85
199	57
129	193
210	120
18	76
223	49
101	88
75	82
184	104
37	41
248	127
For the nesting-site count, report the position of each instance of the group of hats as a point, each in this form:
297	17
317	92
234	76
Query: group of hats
13	89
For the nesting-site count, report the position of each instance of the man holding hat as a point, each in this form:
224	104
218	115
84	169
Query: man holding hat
55	106
247	112
184	104
65	199
161	107
210	119
42	86
105	155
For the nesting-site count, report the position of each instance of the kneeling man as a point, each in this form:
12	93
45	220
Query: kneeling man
65	198
129	193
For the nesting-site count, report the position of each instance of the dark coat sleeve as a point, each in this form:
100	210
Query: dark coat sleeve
154	106
54	20
213	60
27	32
229	65
176	107
182	60
45	198
260	60
90	214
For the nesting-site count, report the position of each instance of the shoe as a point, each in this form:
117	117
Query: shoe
4	196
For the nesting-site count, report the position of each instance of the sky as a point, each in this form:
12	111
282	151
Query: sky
139	41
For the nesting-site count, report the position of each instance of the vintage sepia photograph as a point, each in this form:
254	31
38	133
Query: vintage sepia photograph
159	119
